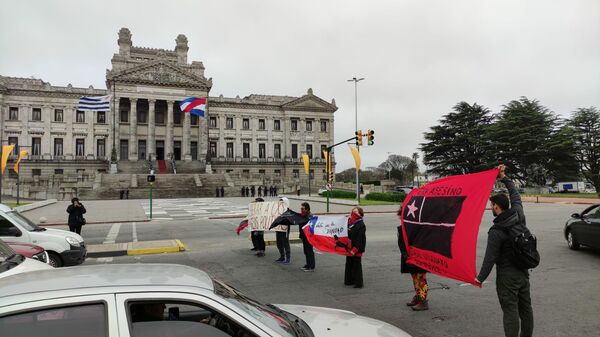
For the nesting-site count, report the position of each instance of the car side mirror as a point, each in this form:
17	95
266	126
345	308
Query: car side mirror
575	216
14	231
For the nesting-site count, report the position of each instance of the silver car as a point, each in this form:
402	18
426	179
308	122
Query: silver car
153	300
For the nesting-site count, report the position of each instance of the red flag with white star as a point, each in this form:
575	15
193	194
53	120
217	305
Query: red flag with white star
440	223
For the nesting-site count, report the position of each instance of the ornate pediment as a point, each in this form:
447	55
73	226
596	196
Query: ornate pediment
160	73
310	102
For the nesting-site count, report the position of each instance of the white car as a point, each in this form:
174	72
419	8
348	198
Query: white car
153	300
12	263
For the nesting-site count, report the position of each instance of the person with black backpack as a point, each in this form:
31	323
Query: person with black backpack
512	248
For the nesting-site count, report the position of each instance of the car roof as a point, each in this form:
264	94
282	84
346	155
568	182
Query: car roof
4	208
109	275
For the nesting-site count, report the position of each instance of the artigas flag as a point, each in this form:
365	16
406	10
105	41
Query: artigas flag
328	233
440	222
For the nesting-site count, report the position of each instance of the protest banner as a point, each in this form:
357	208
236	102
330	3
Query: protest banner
262	214
329	233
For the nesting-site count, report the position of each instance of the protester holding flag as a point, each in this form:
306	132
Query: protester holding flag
358	241
512	282
257	236
419	276
287	219
309	253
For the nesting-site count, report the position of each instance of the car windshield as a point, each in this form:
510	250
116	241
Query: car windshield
270	315
23	221
5	251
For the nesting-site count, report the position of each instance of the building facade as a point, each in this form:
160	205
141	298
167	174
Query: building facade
254	135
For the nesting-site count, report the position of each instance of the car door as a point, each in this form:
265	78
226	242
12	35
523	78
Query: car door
10	232
588	225
180	314
593	229
90	316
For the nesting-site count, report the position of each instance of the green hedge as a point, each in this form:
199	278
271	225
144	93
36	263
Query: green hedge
393	197
340	194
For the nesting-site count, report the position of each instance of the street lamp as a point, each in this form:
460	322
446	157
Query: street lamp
389	167
356	80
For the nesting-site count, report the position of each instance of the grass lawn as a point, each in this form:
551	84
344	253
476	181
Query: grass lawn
567	195
14	204
365	202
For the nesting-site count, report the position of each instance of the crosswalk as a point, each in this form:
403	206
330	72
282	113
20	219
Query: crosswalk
181	209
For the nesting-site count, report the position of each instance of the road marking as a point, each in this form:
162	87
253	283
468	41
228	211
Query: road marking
104	259
111	237
134	232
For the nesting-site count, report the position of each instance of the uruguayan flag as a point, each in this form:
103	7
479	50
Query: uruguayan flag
94	103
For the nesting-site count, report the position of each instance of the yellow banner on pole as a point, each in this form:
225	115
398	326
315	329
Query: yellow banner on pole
6	151
356	156
306	161
22	155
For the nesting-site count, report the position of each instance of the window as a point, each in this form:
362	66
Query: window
13	113
323	148
229	123
80	147
142	117
323	126
159	116
74	321
101	148
5	230
124	149
36	146
177	116
309	150
101	117
277	173
141	149
261	124
212	122
36	114
80	116
262	153
246	150
229	150
194	150
58	171
36	172
296	173
309	126
294	151
124	116
277	125
277	151
262	172
58	115
14	141
193	120
58	147
294	125
213	149
246	124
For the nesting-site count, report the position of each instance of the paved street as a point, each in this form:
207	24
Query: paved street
565	288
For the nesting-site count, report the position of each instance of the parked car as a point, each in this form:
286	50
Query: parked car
402	189
151	300
12	263
64	248
583	229
29	250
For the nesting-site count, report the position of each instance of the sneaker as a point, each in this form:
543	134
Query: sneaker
421	306
305	267
308	269
287	261
260	254
253	249
413	302
280	260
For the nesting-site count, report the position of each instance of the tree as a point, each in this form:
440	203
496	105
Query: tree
459	144
398	167
586	129
521	138
564	165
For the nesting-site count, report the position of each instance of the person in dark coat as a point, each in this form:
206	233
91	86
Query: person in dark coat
286	220
217	192
76	212
309	253
247	191
243	190
357	233
252	191
419	276
260	191
222	192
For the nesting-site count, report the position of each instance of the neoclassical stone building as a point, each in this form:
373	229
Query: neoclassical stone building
255	135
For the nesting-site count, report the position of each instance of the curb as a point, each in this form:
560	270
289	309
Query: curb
180	247
93	222
35	205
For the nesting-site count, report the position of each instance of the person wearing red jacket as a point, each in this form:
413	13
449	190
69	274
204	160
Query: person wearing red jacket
358	242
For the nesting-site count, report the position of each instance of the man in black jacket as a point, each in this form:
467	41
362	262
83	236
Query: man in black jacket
512	282
308	248
76	212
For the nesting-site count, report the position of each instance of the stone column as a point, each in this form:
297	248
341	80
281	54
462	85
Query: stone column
117	128
169	137
185	146
133	130
151	129
90	142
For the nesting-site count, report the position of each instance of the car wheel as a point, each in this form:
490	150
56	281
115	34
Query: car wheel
54	260
573	244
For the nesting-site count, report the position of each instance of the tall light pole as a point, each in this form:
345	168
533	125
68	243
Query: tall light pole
390	167
356	80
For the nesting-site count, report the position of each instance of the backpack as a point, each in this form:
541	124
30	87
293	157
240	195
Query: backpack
523	251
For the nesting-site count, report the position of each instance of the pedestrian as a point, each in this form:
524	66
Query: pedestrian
252	191
271	190
258	238
76	211
298	190
127	194
247	191
358	241
243	190
362	191
512	282
222	192
283	237
217	192
309	253
419	276
121	194
259	191
275	191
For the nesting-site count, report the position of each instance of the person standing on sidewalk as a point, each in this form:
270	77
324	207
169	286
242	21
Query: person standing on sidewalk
512	282
76	212
419	276
286	220
358	241
309	253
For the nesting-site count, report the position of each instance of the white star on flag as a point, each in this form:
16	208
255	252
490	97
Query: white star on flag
411	209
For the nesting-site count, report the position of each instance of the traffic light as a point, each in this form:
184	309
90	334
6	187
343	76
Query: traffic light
359	138
370	137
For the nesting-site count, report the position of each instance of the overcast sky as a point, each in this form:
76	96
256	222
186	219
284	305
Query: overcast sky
418	57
